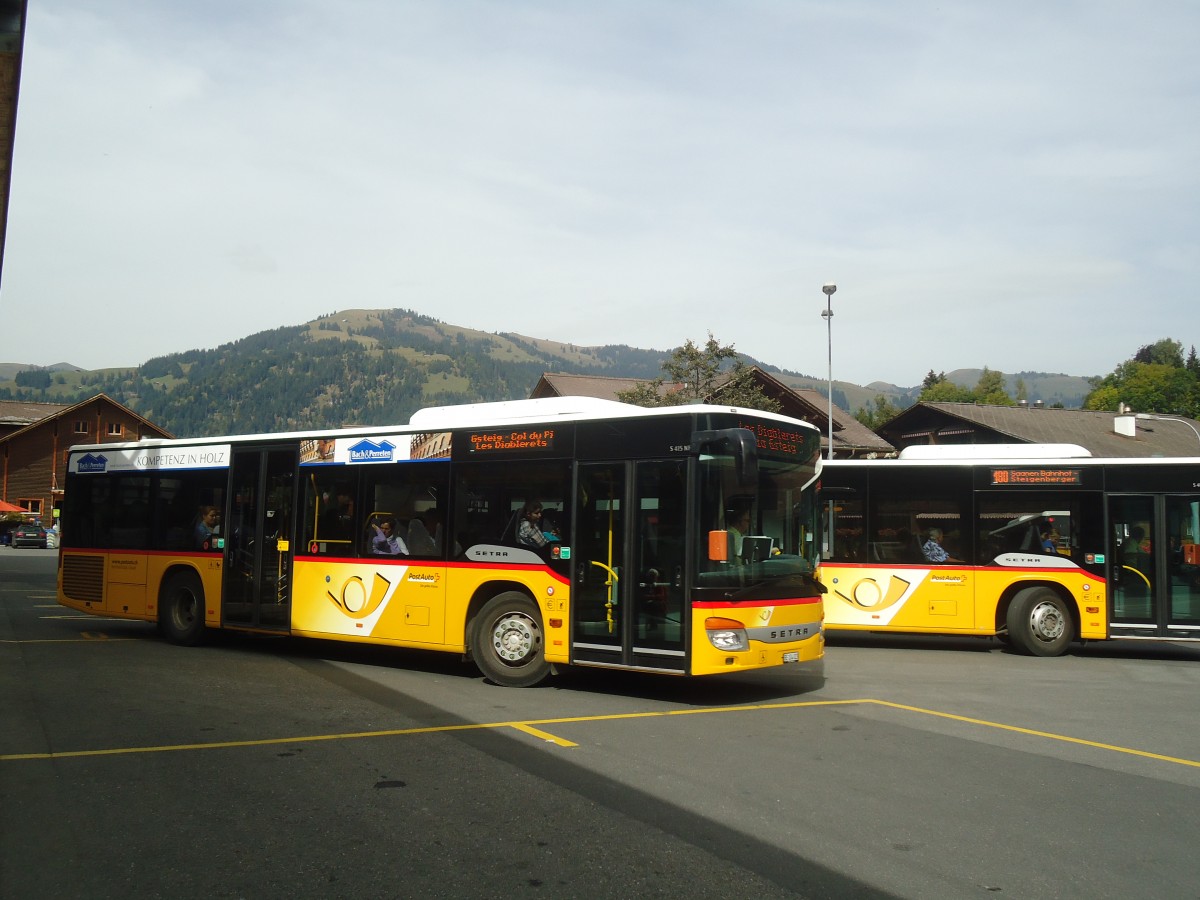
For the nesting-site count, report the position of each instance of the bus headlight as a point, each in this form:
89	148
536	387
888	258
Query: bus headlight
726	634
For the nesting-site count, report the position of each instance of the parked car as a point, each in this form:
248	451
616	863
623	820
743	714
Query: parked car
29	536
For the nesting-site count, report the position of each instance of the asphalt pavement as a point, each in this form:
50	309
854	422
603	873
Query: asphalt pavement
255	767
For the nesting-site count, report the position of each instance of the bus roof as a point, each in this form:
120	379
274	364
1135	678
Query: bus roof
476	415
994	451
538	409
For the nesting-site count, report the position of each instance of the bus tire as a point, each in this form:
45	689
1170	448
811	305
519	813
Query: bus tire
181	609
509	641
1039	622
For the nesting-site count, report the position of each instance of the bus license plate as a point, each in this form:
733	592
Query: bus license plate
791	656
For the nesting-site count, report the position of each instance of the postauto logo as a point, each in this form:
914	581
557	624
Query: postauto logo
366	451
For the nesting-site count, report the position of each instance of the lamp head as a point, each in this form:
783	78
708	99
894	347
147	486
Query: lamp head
829	288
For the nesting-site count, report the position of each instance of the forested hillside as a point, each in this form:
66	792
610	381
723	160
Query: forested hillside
349	368
371	367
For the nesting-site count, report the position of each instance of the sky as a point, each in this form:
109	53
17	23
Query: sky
1013	185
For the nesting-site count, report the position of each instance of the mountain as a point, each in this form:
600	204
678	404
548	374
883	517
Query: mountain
1050	388
370	367
8	371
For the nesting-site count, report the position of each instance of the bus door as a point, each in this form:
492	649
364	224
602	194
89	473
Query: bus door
628	555
258	554
1154	566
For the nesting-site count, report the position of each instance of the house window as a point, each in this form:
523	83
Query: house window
115	429
81	427
31	506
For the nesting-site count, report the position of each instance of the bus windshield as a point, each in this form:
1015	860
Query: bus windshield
755	533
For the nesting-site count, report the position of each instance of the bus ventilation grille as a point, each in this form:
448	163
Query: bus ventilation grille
83	578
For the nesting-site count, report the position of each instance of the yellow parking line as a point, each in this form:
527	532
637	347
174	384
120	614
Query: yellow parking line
224	745
530	727
526	727
544	736
1043	734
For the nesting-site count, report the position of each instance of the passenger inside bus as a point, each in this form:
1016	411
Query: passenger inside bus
337	521
385	541
422	534
737	523
208	523
934	551
529	526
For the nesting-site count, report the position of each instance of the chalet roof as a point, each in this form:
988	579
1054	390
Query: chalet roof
21	412
59	410
848	433
561	384
850	437
949	423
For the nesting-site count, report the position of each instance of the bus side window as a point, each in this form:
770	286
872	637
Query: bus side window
845	541
411	493
490	498
328	524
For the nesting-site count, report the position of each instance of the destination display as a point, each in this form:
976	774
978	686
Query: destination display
777	439
497	440
1036	476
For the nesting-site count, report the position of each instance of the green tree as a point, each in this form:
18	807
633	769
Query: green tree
714	373
1156	379
990	389
1166	352
1147	387
933	378
33	378
937	388
878	413
942	390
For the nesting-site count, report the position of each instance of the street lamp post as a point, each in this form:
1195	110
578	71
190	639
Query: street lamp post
827	315
1179	419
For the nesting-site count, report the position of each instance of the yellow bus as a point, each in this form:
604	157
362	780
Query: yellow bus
1039	545
522	534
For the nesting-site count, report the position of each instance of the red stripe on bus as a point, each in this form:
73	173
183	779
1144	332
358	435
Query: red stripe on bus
730	604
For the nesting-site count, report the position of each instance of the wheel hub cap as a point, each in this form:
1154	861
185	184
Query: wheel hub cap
1047	622
513	638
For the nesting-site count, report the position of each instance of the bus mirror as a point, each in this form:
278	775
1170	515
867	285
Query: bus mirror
718	546
739	443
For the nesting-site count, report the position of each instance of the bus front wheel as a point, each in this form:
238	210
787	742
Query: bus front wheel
181	609
1039	622
509	643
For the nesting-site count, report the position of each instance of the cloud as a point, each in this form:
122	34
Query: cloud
1008	185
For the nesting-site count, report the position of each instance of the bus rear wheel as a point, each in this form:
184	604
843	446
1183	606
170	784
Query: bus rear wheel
509	644
1039	622
181	609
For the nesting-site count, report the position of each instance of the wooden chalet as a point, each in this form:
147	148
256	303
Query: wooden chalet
35	437
1105	434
